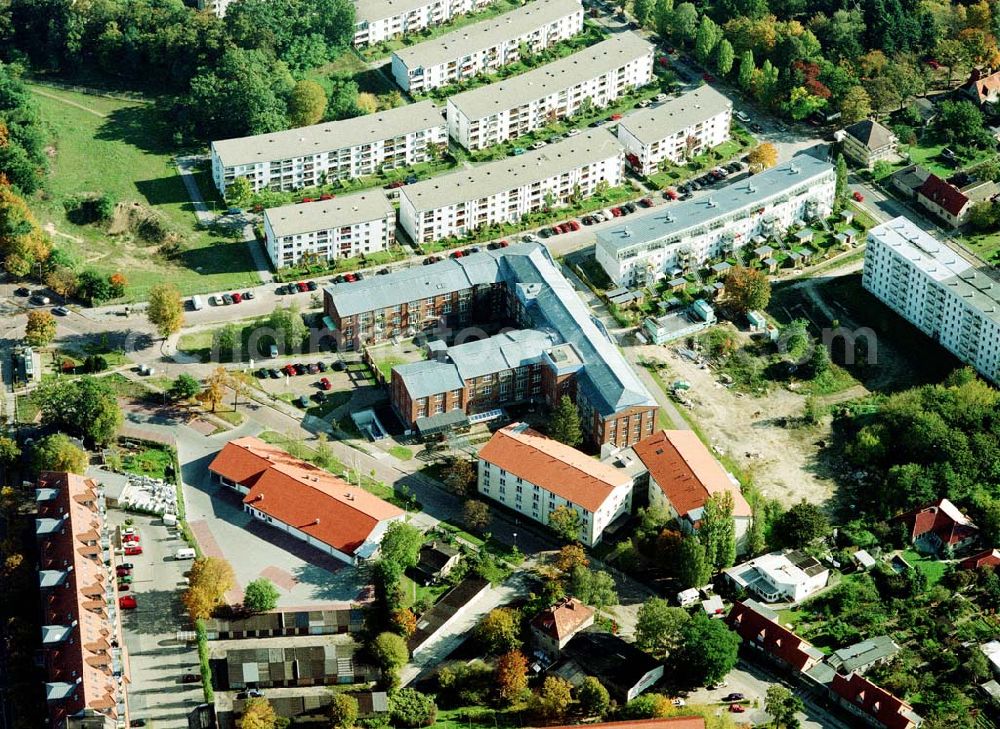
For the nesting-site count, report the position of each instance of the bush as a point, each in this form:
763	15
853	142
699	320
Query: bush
89	208
410	708
95	363
206	669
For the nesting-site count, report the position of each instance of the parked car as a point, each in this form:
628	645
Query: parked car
121	571
248	295
474	249
21	291
324	384
133	549
302	286
190	678
313	368
262	373
734	696
545	232
322	366
122	586
312	285
382	272
137	722
617	212
858	196
539	144
300	369
643	104
227	299
736	708
124	580
574	225
60	311
126	566
289	369
130	538
670	194
127	602
661	97
237	297
273	374
572	133
250	694
629	207
742	116
646	202
302	402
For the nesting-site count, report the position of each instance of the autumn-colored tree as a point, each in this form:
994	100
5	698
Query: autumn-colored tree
306	104
62	280
258	714
499	631
57	452
762	157
118	283
23	244
747	289
570	556
554	698
165	310
476	514
41	327
215	388
367	102
404	622
566	522
512	675
459	475
211	578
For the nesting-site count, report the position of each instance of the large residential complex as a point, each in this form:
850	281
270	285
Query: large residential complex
676	130
376	21
486	46
310	156
336	517
505	190
341	227
932	286
558	347
535	475
520	104
679	237
82	651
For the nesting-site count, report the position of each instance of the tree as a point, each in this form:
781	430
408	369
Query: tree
476	515
260	596
390	654
802	524
258	714
215	388
57	452
306	104
404	622
594	588
287	322
367	102
63	280
724	57
962	122
239	192
564	425
566	522
693	568
802	103
410	708
663	14
856	105
706	39
718	530
554	698
684	23
984	215
401	544
709	650
643	11
87	407
459	475
165	310
342	711
499	631
649	706
782	705
747	289
841	189
184	388
512	676
747	69
211	578
41	328
594	699
570	557
762	157
659	627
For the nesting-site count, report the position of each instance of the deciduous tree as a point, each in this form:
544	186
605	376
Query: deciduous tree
709	649
802	524
566	522
693	569
215	388
401	544
762	157
87	407
165	310
239	192
258	714
570	557
260	596
306	104
184	388
476	515
594	588
57	452
459	476
499	631
390	653
593	698
211	578
747	289
342	711
747	69
410	708
718	530
707	38
512	676
367	102
782	705
659	627
404	622
41	328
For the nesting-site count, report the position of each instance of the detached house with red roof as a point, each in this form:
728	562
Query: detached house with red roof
987	558
872	704
556	625
533	475
950	203
684	475
309	503
940	527
983	88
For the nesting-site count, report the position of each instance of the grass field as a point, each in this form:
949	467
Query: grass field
125	149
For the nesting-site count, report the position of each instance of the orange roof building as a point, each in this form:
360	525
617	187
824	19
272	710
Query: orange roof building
534	475
872	703
85	657
309	503
683	475
553	628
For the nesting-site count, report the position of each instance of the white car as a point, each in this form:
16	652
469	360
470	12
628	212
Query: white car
539	144
741	116
661	97
572	133
644	103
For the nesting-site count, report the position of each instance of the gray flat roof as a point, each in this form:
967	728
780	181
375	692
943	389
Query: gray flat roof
486	34
327	137
505	174
371	10
325	214
565	73
750	192
658	122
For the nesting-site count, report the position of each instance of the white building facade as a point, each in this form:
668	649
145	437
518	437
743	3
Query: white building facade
681	237
675	130
515	106
376	21
343	227
315	155
487	46
505	190
937	290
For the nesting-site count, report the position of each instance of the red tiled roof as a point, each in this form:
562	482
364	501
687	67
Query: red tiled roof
873	700
564	618
988	558
301	495
774	638
943	519
680	722
553	466
982	87
686	471
943	194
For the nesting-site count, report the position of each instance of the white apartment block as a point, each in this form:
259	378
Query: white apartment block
314	155
601	73
679	237
376	21
487	46
936	289
505	190
675	130
342	227
535	475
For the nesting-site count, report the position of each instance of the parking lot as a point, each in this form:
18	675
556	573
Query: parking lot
157	660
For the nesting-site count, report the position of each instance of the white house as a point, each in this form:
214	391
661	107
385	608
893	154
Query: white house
486	46
867	142
780	576
675	130
376	21
520	104
935	288
534	475
643	249
314	155
342	227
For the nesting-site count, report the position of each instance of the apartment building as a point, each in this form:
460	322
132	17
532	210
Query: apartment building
325	230
933	287
680	237
507	189
534	475
552	348
486	46
82	649
676	130
867	142
515	106
376	21
314	155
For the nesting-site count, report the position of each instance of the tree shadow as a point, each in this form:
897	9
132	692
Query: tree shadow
145	127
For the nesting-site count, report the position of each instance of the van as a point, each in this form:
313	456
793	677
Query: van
196	303
273	351
169	520
185	553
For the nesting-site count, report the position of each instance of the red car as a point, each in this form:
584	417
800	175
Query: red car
736	708
858	196
617	212
307	199
123	587
327	196
457	254
237	297
302	286
574	225
670	194
127	602
122	571
708	77
130	539
646	202
288	370
616	117
133	549
504	244
324	384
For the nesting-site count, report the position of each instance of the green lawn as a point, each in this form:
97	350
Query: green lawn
152	462
125	149
931	567
929	156
401	452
